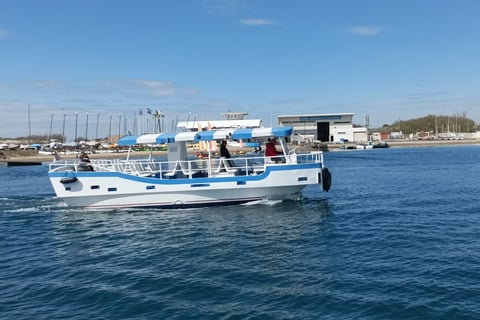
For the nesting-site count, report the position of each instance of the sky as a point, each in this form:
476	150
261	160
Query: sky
75	60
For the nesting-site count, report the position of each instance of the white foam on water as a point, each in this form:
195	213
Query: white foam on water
265	202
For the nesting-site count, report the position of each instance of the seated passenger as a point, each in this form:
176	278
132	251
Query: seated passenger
271	150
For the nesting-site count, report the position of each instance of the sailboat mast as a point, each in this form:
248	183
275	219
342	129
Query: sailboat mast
29	126
51	125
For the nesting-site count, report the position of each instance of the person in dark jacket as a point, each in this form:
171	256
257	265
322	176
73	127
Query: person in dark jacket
223	150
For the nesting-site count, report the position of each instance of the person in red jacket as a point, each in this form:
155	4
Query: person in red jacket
271	150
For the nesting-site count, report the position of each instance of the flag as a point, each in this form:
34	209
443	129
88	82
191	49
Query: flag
149	111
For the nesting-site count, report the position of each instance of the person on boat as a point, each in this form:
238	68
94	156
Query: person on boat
201	155
84	157
271	150
223	150
224	153
84	162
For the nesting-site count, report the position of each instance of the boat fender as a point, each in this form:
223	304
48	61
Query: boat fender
326	179
67	180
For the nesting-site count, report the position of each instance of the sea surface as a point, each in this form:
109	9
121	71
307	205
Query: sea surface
397	237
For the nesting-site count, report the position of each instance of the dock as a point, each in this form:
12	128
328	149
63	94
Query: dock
18	163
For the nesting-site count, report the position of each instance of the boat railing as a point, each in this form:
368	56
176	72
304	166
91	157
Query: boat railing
190	168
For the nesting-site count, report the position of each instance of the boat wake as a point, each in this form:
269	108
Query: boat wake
28	204
265	202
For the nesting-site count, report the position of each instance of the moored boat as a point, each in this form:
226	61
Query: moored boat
380	145
182	181
365	146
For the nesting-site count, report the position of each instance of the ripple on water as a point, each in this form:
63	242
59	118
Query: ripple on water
395	238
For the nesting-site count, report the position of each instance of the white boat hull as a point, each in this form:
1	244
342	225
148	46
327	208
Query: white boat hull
116	190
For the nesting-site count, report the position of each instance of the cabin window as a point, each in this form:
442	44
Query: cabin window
150	187
241	183
112	189
68	189
302	178
94	187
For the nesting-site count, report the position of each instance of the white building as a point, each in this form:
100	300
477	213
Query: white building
232	120
199	125
332	127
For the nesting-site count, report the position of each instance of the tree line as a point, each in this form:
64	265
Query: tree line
433	123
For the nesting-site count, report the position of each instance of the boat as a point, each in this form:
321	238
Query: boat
365	146
381	145
180	180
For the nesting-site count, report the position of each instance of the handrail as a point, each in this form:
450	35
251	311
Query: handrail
191	168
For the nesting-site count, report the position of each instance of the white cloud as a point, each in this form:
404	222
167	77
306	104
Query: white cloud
4	33
158	88
366	31
258	22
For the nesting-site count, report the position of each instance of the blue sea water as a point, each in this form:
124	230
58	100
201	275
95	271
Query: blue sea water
397	237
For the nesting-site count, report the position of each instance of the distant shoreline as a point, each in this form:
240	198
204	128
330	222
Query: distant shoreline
29	157
413	143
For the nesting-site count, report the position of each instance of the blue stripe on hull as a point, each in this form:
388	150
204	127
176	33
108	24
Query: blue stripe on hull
175	205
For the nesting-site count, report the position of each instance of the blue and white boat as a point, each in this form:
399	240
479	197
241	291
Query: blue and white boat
181	180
